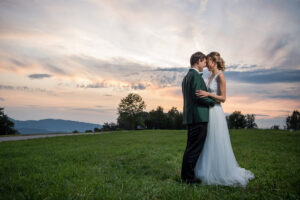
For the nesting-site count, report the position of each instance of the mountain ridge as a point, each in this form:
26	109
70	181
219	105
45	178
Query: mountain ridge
52	126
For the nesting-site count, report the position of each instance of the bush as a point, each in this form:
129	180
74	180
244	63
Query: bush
97	130
293	121
6	126
237	120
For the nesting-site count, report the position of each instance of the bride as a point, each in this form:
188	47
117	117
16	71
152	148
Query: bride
216	164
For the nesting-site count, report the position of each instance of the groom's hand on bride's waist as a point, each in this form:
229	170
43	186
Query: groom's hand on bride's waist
218	102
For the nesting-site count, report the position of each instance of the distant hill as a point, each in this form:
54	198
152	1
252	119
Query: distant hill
52	126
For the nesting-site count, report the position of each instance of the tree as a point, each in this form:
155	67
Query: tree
113	126
149	120
105	127
97	129
171	118
250	118
237	120
75	131
179	121
130	110
157	119
293	121
88	131
144	118
6	126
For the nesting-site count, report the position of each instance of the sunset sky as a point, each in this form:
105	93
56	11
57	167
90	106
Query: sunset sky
75	60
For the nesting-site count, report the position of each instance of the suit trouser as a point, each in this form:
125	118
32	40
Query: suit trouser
195	141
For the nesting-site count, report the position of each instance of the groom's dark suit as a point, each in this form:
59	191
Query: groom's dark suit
195	115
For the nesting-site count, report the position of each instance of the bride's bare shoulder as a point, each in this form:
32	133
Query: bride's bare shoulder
221	77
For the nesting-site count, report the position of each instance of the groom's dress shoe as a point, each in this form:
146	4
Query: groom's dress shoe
191	181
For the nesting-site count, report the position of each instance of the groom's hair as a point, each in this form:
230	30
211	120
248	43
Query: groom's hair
196	56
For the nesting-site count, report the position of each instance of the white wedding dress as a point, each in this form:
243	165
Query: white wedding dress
216	164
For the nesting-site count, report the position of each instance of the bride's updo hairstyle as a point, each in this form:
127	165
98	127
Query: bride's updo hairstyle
215	56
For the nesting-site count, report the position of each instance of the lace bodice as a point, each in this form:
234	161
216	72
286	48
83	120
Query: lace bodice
212	84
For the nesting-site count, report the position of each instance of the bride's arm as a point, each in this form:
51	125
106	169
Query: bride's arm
221	97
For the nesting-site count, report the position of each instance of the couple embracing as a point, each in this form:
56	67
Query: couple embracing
208	157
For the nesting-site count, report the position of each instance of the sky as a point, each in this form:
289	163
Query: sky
76	59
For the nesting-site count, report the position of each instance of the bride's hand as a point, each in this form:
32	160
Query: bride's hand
202	93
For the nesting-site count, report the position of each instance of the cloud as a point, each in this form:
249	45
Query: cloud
18	62
1	99
174	69
39	76
143	46
161	32
138	86
261	115
109	84
273	45
96	85
240	67
6	87
54	69
174	76
294	97
116	66
95	110
27	89
265	76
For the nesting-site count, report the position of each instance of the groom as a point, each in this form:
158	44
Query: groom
195	115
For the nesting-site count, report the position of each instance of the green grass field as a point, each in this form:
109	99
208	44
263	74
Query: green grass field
143	165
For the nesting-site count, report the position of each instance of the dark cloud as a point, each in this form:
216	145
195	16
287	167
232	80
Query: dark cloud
39	76
96	85
103	84
178	69
255	76
294	97
27	89
138	75
1	99
165	77
240	67
264	76
173	76
6	87
138	86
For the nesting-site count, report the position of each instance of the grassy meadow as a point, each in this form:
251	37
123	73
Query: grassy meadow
143	165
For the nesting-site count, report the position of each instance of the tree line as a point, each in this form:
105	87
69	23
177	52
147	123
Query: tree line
132	115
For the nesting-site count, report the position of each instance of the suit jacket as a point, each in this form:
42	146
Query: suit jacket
195	109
